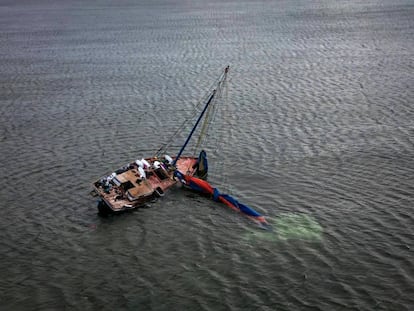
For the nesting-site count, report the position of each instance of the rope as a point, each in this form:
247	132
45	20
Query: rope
212	114
209	118
221	140
194	112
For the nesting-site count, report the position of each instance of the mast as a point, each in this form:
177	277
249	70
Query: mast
221	80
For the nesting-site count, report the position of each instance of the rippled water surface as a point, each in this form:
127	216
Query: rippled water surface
315	131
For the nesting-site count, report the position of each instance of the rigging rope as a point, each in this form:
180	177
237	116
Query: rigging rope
213	114
221	140
194	112
209	118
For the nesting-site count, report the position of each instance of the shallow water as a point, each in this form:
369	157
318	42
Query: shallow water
315	131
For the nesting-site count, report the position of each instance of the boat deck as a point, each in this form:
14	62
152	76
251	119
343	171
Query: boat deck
133	191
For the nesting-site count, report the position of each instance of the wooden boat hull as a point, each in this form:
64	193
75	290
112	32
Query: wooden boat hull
127	190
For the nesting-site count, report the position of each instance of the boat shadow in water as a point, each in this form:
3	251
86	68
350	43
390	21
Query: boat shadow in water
105	211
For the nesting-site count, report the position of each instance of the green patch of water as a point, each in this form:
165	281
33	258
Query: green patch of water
289	226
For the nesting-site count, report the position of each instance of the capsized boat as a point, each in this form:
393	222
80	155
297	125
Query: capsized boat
146	179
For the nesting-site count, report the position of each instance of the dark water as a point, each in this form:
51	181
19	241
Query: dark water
316	132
